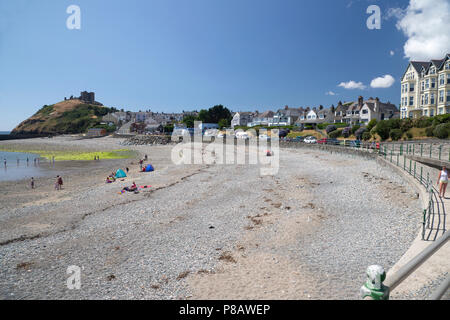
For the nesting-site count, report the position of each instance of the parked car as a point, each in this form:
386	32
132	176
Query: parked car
333	141
298	139
355	143
310	140
242	135
263	137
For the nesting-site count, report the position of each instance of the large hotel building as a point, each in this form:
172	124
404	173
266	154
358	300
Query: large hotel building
426	89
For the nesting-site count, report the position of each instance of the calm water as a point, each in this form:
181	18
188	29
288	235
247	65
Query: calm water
14	166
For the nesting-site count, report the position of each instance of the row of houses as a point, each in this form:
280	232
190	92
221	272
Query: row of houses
148	120
357	112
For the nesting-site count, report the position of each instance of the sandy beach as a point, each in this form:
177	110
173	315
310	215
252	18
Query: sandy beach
202	231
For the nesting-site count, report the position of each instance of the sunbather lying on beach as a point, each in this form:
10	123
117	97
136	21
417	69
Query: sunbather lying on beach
130	189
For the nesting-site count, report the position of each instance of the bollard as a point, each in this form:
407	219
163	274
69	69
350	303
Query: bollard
374	287
440	149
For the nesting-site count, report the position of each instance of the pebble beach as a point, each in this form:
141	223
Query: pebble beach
202	231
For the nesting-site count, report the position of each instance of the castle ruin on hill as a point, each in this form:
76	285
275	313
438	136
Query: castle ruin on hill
86	97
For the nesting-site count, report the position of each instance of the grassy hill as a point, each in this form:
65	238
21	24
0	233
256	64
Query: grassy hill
70	116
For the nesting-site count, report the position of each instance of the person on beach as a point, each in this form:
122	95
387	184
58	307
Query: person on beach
57	183
140	163
127	169
4	161
130	189
60	182
443	181
32	183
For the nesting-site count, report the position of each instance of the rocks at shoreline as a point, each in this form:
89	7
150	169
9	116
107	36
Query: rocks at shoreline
146	140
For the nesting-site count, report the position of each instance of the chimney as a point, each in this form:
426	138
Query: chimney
360	101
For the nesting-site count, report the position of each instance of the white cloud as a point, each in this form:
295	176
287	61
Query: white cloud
391	53
352	85
383	82
330	93
426	25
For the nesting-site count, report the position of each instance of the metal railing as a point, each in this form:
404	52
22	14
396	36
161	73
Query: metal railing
374	289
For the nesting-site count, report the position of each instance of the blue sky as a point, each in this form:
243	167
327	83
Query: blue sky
173	55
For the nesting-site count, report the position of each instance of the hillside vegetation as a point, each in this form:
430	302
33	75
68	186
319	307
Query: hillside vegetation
65	117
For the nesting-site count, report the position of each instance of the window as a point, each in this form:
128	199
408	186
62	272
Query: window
441	111
426	98
365	111
448	96
447	65
432	70
431	112
422	101
442	79
423	85
441	96
411	87
425	112
427	84
448	78
411	100
433	82
432	98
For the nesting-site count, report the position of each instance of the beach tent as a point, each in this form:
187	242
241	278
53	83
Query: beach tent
149	168
120	174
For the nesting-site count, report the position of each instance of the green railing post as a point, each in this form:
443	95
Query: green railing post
440	149
404	163
421	170
415	169
391	156
384	152
397	159
401	150
410	164
414	149
431	146
423	223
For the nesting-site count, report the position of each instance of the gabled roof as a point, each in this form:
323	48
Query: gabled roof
267	114
418	65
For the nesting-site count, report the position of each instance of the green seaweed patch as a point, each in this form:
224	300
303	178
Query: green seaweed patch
79	155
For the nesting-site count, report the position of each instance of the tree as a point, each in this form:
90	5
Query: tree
223	123
372	123
395	134
189	121
382	129
215	114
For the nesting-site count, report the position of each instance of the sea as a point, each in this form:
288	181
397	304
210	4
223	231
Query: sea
14	166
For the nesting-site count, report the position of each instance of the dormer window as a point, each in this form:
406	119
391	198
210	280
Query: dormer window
432	70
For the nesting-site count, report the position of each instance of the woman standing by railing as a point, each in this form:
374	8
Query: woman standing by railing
443	181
